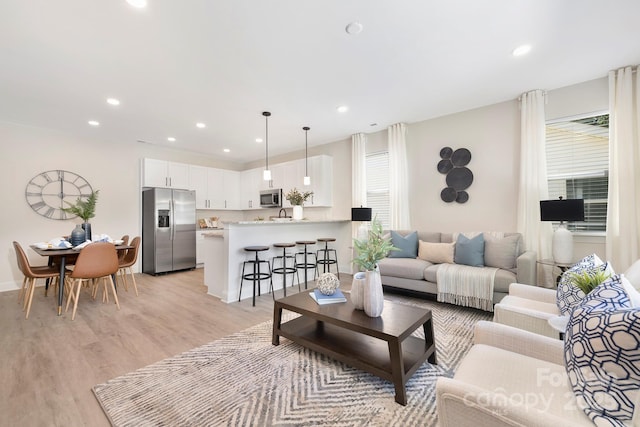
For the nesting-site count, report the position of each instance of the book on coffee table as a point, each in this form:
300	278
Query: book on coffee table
323	299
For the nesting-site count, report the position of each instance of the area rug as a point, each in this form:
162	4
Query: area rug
243	380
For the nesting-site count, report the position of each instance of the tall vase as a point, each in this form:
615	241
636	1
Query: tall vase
357	290
77	236
297	212
87	230
373	297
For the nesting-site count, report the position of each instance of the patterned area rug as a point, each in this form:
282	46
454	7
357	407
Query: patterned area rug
243	380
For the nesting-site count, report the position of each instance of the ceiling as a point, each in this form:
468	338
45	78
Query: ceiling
223	62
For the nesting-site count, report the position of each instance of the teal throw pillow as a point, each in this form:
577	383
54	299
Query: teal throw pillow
408	245
470	251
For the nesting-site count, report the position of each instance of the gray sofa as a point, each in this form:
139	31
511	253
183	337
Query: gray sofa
419	275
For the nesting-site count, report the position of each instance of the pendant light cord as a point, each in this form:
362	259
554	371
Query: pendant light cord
266	115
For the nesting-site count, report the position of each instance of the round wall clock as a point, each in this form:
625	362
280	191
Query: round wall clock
48	192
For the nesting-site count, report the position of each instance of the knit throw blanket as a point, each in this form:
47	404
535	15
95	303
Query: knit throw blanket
466	286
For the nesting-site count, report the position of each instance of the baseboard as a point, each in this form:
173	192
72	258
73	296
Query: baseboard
9	286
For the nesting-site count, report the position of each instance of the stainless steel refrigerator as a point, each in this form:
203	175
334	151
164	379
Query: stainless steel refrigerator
168	230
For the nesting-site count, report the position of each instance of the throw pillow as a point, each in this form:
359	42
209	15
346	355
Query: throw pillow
437	253
502	253
632	293
569	296
601	350
470	251
408	245
633	274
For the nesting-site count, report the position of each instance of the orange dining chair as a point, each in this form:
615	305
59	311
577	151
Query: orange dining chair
129	260
31	273
96	261
121	254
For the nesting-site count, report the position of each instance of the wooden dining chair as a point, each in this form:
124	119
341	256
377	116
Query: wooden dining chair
96	262
31	273
130	257
121	254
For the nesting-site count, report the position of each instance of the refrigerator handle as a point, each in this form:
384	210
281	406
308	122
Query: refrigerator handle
173	219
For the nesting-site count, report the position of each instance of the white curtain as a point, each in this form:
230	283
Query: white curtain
623	214
533	175
399	178
359	174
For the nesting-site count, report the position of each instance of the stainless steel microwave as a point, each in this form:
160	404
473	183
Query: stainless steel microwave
271	198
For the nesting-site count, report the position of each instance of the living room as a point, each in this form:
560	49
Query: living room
489	130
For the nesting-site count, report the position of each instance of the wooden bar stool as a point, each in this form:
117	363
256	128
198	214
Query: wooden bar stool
323	256
284	270
306	262
257	275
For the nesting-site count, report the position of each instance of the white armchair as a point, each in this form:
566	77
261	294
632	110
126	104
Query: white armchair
509	377
528	307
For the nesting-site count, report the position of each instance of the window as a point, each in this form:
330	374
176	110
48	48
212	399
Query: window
378	186
578	166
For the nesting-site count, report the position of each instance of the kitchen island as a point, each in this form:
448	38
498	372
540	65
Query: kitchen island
224	252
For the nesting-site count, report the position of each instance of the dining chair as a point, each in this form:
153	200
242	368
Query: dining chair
31	273
121	254
96	261
130	257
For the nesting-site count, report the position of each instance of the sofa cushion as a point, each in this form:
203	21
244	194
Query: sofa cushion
436	253
502	281
469	251
502	253
568	296
408	268
602	349
633	274
407	245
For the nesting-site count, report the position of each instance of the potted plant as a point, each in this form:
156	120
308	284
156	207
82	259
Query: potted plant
297	199
587	280
85	209
366	291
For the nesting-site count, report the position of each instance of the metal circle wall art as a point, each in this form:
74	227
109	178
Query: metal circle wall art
458	176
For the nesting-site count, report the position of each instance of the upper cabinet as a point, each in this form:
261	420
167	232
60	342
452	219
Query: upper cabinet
161	173
251	183
215	188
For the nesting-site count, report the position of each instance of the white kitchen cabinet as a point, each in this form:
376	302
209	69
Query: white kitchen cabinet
251	183
215	188
200	247
321	174
161	173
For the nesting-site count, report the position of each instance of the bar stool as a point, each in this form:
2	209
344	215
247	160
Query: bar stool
323	256
306	262
257	275
284	270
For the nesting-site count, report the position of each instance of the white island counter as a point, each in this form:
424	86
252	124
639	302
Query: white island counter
224	252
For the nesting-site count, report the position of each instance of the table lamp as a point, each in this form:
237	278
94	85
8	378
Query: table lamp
363	215
562	210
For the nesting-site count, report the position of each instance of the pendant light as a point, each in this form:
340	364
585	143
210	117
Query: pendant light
307	178
266	174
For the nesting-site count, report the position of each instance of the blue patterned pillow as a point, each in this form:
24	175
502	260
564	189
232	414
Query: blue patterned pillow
568	296
602	354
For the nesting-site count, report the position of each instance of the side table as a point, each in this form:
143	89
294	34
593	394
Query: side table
559	265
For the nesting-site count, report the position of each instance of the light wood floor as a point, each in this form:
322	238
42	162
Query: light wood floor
48	364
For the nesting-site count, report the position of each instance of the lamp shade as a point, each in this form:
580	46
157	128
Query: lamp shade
361	214
562	210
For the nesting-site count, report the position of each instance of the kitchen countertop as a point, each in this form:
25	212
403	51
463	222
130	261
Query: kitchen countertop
291	222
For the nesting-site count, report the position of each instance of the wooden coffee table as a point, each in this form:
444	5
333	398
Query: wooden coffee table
381	345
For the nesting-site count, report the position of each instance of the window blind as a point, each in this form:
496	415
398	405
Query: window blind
578	166
378	186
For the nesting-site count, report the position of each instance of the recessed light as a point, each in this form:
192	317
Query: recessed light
113	101
226	150
342	109
94	123
259	140
521	50
201	125
353	28
138	3
171	139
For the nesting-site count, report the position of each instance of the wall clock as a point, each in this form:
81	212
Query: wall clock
48	191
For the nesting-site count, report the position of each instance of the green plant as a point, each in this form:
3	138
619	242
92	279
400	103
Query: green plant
85	209
587	280
373	249
296	198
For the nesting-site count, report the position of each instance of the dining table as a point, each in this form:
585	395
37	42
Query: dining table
60	256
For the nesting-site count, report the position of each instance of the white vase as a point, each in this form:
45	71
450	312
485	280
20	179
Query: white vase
373	297
357	290
297	212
